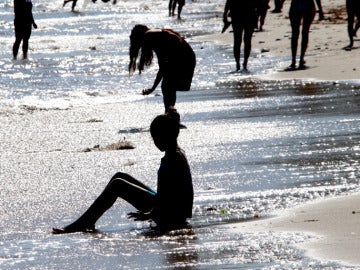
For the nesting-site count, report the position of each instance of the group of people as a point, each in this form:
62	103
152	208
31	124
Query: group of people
75	1
171	205
172	7
244	19
245	16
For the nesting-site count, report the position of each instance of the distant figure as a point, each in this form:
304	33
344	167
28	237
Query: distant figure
243	19
262	11
302	11
170	206
175	57
23	22
172	7
353	10
278	6
75	1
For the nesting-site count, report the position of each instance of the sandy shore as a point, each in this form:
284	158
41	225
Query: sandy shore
335	222
325	57
69	137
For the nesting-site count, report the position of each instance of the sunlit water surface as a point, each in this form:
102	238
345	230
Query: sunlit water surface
254	146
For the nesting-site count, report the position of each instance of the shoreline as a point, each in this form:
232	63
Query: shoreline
61	151
334	222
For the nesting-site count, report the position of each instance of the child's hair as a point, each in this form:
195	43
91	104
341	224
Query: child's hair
166	125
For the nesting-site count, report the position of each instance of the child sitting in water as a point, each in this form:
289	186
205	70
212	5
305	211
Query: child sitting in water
170	206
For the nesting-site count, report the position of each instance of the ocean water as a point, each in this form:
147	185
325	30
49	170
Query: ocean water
254	146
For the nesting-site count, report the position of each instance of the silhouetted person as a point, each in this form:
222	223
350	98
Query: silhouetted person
353	10
23	22
175	57
75	1
302	11
172	7
261	13
278	6
243	19
105	1
170	206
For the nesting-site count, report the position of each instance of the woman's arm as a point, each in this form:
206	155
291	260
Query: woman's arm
226	11
156	83
31	14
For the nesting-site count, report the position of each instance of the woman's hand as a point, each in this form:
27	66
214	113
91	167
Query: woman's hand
147	91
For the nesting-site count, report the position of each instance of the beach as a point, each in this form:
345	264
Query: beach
274	155
335	222
325	56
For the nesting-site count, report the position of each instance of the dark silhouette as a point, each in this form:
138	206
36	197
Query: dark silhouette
75	1
175	56
278	6
170	206
302	11
353	10
243	15
172	7
262	12
23	22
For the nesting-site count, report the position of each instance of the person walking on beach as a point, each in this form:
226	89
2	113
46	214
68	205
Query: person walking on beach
261	14
175	57
353	10
278	6
172	7
73	4
23	22
243	19
302	11
75	1
170	206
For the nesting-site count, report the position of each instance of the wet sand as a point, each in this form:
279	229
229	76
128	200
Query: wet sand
55	158
335	222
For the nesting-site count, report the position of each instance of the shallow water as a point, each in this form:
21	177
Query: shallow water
253	146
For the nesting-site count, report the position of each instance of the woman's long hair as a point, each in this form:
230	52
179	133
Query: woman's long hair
136	43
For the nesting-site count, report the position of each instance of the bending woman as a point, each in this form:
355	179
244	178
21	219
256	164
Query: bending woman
176	60
302	11
170	206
